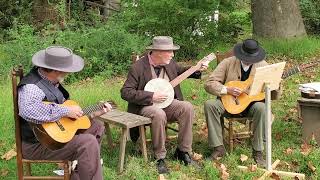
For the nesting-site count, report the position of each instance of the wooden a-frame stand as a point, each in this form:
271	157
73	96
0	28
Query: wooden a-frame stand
270	168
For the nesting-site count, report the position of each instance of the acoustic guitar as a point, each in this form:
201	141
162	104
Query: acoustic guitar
54	135
164	86
236	105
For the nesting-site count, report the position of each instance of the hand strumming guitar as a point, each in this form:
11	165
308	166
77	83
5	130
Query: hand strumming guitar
74	112
234	91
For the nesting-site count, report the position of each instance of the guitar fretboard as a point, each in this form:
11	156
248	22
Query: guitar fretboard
93	108
290	72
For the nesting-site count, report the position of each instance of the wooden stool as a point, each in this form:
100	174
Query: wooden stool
125	121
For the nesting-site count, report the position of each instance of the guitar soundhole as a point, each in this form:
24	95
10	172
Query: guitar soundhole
60	126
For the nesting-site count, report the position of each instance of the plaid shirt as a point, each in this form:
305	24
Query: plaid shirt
32	108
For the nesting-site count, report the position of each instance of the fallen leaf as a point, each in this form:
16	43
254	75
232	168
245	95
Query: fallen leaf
223	170
278	136
311	166
275	176
253	167
288	151
196	156
305	149
10	154
4	172
161	177
194	97
243	157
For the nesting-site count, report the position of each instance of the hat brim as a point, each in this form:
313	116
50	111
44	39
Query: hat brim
76	66
173	48
245	58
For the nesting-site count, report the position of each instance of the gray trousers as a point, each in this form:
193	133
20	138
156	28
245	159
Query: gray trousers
181	111
214	109
84	147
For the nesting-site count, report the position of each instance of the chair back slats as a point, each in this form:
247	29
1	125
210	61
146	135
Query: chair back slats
221	56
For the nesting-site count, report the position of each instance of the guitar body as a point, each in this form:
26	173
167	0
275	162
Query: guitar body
55	135
237	105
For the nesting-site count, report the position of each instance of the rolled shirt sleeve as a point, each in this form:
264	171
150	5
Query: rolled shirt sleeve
33	109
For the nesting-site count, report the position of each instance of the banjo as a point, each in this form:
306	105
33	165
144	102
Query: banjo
164	86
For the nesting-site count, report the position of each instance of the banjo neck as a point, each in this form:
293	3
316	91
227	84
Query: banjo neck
191	70
184	75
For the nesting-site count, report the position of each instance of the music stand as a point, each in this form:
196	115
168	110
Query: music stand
268	78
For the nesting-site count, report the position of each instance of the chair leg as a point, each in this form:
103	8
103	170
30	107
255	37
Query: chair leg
28	169
108	134
66	171
143	143
123	142
230	135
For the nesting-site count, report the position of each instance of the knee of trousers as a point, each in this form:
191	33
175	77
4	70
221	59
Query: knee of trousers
187	106
159	116
211	104
259	107
88	142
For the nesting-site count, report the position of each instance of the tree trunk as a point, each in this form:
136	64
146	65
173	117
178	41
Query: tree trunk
277	18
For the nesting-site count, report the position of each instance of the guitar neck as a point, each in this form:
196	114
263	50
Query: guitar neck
291	72
93	108
96	107
183	76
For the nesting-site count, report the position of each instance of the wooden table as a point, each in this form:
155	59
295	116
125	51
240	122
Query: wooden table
125	121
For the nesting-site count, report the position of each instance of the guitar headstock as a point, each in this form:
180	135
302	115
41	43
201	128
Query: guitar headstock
305	66
207	59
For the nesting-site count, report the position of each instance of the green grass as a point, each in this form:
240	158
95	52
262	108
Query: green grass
286	127
92	91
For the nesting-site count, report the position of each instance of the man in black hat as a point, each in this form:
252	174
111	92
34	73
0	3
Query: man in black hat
248	55
42	83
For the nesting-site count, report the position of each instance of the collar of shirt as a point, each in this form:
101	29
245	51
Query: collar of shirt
245	67
56	84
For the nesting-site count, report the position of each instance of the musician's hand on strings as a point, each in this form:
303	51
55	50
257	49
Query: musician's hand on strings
159	97
204	65
74	112
106	108
234	91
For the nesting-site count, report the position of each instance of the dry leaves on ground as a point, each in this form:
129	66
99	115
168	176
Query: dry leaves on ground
253	167
161	177
311	167
9	155
305	149
223	170
288	151
4	172
243	157
197	157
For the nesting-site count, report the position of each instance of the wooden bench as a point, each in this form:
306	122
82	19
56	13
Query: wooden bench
125	121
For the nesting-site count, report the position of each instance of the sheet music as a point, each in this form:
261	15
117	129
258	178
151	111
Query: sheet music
271	74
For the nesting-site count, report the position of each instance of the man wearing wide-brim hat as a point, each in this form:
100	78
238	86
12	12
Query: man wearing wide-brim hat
248	55
43	83
158	63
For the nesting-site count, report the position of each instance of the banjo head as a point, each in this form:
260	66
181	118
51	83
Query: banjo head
161	85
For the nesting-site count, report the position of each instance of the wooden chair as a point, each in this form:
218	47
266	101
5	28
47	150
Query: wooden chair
233	135
17	75
135	57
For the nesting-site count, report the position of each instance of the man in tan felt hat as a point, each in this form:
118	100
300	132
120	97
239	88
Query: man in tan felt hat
158	63
41	84
248	56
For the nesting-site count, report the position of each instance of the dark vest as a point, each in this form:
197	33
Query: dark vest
52	94
244	74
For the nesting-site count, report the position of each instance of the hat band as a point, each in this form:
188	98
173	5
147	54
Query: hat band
249	54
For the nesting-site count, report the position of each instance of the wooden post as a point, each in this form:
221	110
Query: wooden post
268	126
123	142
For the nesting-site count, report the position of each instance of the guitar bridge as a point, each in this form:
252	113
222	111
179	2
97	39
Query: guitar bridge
60	125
